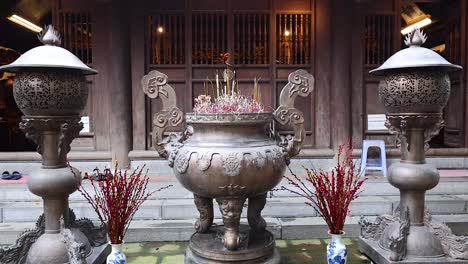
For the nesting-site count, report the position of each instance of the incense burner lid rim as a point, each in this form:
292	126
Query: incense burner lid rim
415	57
48	56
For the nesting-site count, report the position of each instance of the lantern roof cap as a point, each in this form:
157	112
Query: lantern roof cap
49	55
415	56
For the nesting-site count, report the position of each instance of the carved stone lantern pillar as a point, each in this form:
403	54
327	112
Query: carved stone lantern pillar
50	89
414	90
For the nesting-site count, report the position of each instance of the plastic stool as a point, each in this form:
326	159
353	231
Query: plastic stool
382	165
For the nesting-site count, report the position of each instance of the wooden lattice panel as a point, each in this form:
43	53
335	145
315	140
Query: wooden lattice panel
76	31
166	38
209	37
251	38
293	36
378	39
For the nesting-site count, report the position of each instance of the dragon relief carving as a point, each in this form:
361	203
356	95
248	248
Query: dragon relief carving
454	246
397	244
76	251
432	131
401	124
376	229
67	128
17	253
97	235
32	132
394	131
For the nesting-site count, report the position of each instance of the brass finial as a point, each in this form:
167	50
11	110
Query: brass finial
415	38
49	36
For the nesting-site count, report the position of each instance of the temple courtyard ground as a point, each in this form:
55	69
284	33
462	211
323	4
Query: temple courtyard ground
169	215
292	252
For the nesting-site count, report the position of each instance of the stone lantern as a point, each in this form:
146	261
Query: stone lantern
50	88
414	90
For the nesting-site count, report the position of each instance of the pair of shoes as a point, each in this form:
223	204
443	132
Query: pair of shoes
108	173
98	176
14	176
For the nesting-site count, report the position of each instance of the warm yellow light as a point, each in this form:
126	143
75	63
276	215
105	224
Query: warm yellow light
287	33
439	48
25	23
419	24
160	29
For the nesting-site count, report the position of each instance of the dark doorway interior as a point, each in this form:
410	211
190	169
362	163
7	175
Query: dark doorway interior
16	40
445	37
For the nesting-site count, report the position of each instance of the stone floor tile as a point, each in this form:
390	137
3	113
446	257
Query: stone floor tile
174	259
309	242
291	251
281	244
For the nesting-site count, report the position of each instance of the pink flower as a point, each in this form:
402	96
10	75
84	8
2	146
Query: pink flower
227	104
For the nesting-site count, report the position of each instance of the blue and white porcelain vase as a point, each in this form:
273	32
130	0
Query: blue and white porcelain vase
116	256
336	251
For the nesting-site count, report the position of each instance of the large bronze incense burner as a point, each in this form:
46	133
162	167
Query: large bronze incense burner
229	157
414	90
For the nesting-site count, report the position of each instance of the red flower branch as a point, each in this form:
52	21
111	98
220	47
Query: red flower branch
332	191
116	199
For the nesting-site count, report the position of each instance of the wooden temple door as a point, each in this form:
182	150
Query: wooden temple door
375	39
453	35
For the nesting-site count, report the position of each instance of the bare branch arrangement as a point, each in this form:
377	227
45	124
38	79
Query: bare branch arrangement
330	192
117	198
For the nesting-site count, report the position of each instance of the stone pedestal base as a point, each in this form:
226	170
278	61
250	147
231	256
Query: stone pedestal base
99	254
391	239
78	242
379	255
255	247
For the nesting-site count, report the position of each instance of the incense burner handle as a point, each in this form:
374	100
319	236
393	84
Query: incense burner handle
155	85
300	83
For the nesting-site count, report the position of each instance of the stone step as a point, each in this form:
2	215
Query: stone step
276	207
29	162
374	186
282	228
